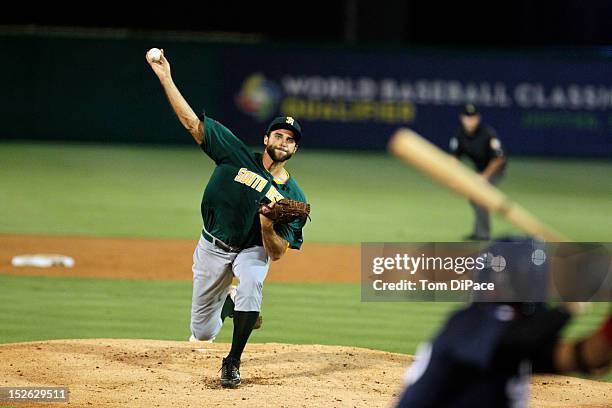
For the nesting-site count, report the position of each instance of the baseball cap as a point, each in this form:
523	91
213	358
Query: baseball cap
286	122
469	110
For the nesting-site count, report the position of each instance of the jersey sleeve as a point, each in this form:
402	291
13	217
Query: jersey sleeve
533	338
219	143
292	232
495	144
454	146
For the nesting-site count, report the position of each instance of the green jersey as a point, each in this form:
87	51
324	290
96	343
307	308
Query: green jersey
239	185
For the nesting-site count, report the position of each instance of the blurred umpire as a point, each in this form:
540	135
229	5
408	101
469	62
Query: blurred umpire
480	143
485	353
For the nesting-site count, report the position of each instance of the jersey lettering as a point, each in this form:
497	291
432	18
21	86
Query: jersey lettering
250	179
273	195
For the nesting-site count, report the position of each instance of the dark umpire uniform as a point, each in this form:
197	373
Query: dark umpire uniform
480	143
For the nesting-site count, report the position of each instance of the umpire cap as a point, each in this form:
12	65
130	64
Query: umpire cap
470	110
286	122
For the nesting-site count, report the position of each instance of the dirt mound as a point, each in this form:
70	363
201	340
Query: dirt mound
145	373
150	373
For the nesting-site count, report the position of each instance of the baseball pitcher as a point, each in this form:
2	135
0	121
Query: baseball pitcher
252	212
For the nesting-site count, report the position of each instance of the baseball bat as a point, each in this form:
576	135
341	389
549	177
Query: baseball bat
413	149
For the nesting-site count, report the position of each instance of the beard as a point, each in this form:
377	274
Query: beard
276	155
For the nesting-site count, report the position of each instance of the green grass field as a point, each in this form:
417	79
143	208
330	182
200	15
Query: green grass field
38	308
138	191
155	192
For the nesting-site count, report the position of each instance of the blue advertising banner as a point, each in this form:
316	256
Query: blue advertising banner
356	100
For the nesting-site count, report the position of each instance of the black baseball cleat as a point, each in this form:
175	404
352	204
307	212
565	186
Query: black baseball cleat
230	373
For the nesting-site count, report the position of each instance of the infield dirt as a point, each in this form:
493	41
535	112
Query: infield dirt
132	258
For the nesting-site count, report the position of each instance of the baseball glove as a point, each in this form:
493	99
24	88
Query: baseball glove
286	210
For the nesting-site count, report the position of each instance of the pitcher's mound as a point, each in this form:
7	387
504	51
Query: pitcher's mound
149	373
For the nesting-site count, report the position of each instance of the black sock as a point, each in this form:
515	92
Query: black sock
243	326
228	308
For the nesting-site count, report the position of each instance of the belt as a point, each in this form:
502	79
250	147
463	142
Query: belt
218	243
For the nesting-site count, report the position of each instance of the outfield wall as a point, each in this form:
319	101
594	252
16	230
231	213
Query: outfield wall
94	88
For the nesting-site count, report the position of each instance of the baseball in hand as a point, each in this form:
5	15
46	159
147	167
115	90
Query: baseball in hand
154	54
